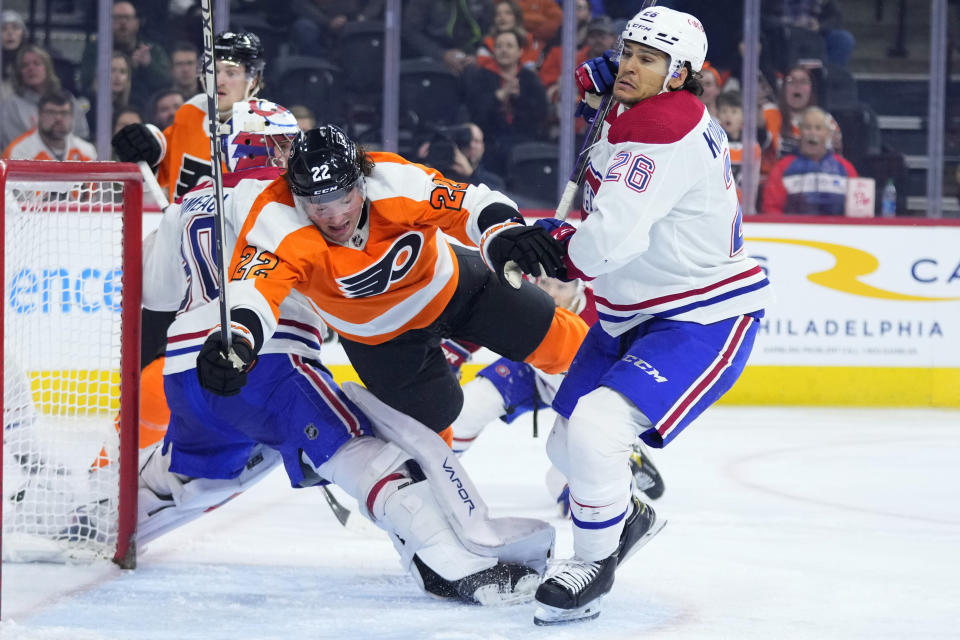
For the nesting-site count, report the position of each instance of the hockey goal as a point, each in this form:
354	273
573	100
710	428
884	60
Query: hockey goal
71	348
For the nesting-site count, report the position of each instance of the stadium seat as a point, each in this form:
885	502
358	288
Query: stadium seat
361	57
430	90
886	165
861	133
309	81
532	174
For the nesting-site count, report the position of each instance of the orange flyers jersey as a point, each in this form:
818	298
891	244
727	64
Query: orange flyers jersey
399	272
188	149
30	146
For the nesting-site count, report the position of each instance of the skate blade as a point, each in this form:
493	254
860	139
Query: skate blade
658	525
491	595
546	615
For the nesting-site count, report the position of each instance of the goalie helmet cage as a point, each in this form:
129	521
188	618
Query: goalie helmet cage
71	358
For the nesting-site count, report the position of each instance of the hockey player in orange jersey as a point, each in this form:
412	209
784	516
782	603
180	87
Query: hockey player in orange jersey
181	153
362	235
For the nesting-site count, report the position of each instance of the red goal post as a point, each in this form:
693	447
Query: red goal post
71	269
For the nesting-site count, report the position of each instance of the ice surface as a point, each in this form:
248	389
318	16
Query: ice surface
783	523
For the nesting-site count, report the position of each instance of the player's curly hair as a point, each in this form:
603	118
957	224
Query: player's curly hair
692	83
363	160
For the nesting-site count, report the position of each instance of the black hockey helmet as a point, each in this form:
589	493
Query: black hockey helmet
323	164
243	48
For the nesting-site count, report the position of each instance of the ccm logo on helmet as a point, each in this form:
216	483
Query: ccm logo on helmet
394	264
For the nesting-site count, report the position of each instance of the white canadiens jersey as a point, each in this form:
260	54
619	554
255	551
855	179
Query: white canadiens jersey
180	273
663	234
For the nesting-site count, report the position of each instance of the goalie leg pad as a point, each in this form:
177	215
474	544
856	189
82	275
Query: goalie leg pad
360	465
167	500
521	540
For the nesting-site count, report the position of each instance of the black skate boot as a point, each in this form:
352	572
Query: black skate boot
574	591
645	475
503	583
641	525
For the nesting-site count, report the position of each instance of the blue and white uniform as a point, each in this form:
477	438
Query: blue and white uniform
290	402
677	298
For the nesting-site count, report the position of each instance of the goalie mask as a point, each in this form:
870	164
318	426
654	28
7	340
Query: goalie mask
261	133
679	35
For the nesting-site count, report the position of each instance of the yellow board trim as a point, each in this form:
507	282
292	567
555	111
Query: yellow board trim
815	386
87	392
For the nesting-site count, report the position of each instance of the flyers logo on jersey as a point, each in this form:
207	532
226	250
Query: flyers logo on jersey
395	263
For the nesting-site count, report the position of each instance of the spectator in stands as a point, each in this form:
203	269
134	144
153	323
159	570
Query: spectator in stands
151	63
729	106
185	69
448	31
440	152
52	138
457	153
163	107
473	148
120	79
319	23
815	180
508	15
822	17
541	19
304	116
13	35
550	68
124	115
712	83
34	77
510	106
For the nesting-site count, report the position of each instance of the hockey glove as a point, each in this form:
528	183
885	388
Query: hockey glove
532	249
222	373
597	75
562	232
136	142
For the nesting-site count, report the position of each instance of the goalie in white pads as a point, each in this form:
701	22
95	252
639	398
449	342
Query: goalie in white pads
291	411
678	299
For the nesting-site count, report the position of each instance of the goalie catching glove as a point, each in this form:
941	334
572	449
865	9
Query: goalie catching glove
221	372
136	142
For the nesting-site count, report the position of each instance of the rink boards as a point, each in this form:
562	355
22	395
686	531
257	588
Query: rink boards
864	315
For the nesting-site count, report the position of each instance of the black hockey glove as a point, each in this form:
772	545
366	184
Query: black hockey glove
135	142
222	374
529	247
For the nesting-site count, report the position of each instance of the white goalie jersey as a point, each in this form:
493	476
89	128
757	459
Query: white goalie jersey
180	273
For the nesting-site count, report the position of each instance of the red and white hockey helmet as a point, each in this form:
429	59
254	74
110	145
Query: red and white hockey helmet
260	135
679	35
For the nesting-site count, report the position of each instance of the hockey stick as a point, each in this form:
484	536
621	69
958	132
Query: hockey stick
209	66
153	187
593	135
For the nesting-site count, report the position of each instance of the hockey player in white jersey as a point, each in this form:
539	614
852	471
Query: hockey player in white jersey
290	411
677	298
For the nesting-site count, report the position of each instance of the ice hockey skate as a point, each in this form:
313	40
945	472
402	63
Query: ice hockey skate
573	591
503	583
645	474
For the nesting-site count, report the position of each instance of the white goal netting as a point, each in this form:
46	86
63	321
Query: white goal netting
62	343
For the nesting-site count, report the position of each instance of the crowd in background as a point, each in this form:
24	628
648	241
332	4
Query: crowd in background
492	68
